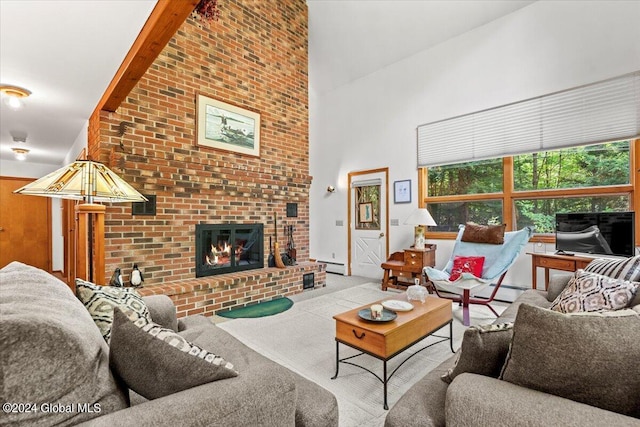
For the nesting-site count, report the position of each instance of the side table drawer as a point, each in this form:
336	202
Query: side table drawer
364	340
413	260
582	264
557	264
402	273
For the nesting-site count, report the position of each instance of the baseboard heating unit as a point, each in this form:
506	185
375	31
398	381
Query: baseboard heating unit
334	267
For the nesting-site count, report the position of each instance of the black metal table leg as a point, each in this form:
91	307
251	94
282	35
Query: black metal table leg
337	360
450	337
386	377
386	380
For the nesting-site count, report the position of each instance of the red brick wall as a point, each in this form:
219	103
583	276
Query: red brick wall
209	295
255	57
93	152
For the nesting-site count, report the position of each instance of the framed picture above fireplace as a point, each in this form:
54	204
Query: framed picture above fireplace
227	127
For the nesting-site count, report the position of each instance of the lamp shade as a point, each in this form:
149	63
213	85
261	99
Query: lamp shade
83	180
420	216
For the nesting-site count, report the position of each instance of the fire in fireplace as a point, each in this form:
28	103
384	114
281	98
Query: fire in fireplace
224	248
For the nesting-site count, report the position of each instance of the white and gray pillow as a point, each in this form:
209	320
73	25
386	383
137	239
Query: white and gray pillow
155	361
625	269
588	292
100	301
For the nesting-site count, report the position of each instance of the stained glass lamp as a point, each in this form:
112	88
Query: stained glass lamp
90	182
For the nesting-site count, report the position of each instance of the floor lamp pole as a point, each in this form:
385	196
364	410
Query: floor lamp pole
90	242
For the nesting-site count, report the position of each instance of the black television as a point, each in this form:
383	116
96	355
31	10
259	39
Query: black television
601	233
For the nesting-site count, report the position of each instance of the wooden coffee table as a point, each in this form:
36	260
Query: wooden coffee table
386	340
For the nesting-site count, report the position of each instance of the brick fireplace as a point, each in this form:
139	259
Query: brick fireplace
254	57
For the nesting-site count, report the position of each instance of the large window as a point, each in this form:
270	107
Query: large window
529	189
581	167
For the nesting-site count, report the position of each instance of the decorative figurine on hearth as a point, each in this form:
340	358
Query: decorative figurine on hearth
116	279
136	277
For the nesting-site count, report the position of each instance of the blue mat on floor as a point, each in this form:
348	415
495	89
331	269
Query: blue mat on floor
267	308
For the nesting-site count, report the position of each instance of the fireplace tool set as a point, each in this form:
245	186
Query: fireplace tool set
281	260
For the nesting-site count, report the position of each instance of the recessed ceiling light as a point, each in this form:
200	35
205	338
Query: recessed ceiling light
14	95
21	153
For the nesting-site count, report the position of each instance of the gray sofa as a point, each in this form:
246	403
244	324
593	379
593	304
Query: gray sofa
55	367
477	400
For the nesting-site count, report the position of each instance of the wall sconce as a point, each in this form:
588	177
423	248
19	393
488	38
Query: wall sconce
331	189
14	95
20	153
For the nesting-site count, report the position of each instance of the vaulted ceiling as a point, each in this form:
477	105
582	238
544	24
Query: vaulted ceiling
66	52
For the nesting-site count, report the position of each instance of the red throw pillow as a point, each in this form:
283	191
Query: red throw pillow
466	264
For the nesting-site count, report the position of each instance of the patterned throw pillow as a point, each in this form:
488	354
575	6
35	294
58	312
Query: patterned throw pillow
483	351
466	264
101	300
155	361
588	292
625	269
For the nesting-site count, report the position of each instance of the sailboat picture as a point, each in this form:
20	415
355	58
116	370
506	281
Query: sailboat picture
227	127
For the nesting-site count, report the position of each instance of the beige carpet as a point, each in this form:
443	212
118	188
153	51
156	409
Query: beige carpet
302	339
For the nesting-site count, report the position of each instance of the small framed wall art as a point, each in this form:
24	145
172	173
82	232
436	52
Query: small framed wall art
402	191
227	127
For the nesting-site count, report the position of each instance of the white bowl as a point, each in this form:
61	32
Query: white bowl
397	305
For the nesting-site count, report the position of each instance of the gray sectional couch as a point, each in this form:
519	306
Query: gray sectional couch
479	400
55	367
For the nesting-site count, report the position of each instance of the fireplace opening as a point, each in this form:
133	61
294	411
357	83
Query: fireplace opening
225	248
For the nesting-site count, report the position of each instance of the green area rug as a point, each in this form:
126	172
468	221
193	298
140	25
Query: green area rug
268	308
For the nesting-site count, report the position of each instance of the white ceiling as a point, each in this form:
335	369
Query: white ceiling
67	51
349	39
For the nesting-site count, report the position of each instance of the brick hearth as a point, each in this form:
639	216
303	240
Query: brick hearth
212	294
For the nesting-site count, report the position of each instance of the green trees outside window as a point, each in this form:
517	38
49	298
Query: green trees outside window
581	167
591	178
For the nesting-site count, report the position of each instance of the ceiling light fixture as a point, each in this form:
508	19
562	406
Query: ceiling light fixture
21	153
14	95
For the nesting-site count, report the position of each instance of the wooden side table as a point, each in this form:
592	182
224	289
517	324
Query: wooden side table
554	262
403	267
385	340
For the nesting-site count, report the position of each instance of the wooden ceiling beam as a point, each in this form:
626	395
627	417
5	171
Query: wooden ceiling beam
163	22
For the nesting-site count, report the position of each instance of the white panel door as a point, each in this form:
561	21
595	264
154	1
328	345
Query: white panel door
368	225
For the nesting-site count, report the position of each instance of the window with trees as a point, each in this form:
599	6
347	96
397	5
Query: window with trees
529	189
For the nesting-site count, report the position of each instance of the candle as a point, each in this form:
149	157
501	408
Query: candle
376	311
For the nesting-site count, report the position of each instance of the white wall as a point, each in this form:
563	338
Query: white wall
78	145
371	122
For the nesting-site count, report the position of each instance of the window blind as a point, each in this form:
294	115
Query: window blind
600	112
366	182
